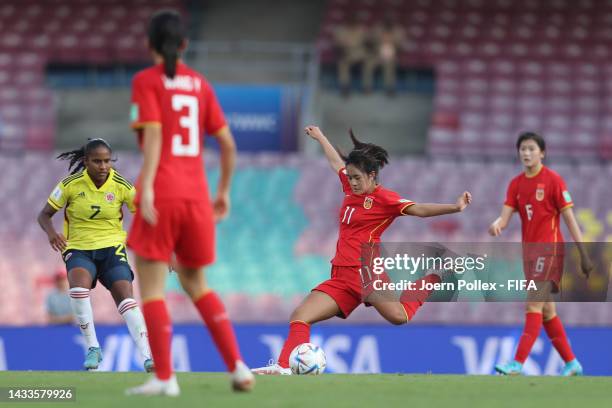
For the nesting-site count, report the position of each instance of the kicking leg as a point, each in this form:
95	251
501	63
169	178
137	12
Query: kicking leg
316	307
393	312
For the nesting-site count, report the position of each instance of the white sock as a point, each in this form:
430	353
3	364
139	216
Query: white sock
130	311
81	307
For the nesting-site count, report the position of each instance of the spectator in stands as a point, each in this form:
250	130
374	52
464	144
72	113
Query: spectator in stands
351	43
57	303
387	37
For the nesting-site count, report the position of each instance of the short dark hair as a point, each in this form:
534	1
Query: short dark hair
367	157
531	136
77	156
166	35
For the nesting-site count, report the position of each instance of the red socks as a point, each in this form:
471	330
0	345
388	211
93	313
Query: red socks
213	312
556	333
159	328
531	331
412	300
299	332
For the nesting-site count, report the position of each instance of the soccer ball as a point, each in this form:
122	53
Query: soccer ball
307	359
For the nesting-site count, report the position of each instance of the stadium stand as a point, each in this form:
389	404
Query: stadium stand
504	66
39	32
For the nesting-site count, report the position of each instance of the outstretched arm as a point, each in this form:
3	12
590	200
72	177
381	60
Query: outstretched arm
574	229
501	223
334	159
431	210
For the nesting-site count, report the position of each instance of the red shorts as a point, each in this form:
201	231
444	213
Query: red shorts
348	287
185	228
546	268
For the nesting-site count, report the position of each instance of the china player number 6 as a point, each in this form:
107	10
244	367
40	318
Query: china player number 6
190	122
529	211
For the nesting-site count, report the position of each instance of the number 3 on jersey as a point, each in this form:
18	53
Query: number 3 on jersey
189	122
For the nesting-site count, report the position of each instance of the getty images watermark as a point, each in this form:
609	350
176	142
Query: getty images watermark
439	266
488	271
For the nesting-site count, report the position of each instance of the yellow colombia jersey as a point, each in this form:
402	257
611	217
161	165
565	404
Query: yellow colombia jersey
93	216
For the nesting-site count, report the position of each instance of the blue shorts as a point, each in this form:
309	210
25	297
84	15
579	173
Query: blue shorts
106	265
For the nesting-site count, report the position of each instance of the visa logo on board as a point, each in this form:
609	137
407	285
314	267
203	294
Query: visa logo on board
498	350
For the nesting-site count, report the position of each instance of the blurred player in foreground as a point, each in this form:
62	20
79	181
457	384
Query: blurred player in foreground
367	211
93	246
172	105
539	195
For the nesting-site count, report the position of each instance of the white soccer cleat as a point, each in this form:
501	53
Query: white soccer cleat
155	386
272	369
242	378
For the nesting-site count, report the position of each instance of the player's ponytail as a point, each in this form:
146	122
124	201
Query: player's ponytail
77	156
170	54
367	157
76	159
166	37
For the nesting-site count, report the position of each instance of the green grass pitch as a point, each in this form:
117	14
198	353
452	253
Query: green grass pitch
332	390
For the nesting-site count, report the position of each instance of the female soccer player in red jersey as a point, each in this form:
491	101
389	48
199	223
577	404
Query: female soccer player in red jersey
539	195
172	105
367	211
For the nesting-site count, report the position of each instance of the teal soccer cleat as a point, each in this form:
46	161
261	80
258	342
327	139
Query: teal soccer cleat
149	367
511	368
93	358
573	368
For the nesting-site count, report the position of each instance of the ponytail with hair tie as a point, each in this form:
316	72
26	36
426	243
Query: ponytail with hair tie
166	37
170	54
367	157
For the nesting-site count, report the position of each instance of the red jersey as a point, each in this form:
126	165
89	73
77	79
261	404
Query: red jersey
363	218
539	200
185	107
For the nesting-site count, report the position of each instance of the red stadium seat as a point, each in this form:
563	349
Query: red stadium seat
548	56
39	31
